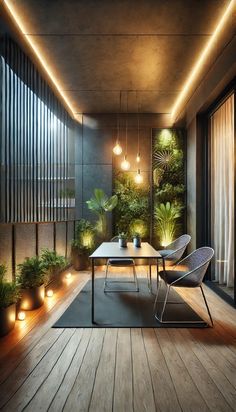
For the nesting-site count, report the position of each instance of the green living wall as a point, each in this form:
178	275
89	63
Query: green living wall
168	185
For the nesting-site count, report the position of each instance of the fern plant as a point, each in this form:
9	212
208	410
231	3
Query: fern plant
31	273
9	291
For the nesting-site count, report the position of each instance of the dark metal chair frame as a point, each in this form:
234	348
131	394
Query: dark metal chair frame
196	272
108	264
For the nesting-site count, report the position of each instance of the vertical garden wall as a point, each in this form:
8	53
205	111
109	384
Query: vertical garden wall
168	185
155	210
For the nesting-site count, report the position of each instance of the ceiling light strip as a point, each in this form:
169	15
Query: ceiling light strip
19	23
198	66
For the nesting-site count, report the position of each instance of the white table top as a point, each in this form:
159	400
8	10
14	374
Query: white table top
112	250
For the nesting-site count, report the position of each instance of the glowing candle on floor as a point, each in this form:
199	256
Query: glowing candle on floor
49	293
21	315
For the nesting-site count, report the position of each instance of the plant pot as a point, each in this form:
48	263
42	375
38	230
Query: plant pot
7	319
122	243
79	262
137	242
32	298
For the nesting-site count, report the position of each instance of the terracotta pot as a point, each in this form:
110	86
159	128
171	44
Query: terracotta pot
32	298
79	262
7	319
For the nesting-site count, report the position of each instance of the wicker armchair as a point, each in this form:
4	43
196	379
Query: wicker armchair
188	273
128	262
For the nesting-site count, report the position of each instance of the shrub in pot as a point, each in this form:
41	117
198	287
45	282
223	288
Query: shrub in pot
9	294
82	245
31	279
53	263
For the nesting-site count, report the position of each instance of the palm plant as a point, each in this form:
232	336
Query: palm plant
166	216
101	204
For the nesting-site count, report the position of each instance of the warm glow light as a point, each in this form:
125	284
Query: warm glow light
21	315
138	158
202	58
33	45
49	293
117	149
138	177
68	275
125	164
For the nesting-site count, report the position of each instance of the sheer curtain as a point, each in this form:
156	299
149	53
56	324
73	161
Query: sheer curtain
222	192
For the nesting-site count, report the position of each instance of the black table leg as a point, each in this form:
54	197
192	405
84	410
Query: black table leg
92	306
157	273
150	276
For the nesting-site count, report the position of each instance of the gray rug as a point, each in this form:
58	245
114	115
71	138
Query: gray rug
126	309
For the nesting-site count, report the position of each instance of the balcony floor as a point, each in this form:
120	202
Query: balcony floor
119	369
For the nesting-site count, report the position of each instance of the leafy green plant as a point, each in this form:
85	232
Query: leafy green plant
52	262
3	271
84	236
139	227
123	235
101	204
166	216
31	273
133	202
9	291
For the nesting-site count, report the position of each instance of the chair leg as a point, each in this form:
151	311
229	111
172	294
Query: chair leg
165	301
158	290
206	304
135	278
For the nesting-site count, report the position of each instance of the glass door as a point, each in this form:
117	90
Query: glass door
222	195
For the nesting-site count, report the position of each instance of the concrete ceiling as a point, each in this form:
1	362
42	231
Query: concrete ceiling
97	48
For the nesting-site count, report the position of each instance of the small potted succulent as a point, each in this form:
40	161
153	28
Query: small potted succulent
53	263
82	244
31	279
122	240
9	294
137	240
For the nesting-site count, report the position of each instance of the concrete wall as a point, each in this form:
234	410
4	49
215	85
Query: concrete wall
94	159
22	240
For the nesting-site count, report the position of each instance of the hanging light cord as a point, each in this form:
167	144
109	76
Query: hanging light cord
126	136
138	119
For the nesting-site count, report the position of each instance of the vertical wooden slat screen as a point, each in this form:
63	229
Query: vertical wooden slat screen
34	144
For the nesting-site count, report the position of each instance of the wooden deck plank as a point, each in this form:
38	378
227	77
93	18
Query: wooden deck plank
26	392
142	382
81	391
164	390
206	387
188	395
102	396
123	391
65	388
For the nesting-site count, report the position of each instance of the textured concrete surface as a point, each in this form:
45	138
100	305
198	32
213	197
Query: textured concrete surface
95	49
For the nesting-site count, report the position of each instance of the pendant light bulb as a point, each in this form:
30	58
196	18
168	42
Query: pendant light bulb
138	178
125	164
117	149
138	158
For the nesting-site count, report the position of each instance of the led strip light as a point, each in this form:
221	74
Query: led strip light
19	23
198	66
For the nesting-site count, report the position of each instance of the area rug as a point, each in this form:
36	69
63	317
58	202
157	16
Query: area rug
127	309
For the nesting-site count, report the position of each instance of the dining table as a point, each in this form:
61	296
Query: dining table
112	250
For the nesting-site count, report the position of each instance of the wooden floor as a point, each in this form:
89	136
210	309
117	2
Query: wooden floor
118	370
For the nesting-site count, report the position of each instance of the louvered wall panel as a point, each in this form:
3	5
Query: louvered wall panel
34	144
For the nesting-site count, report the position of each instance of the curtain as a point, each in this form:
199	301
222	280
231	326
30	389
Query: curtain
222	192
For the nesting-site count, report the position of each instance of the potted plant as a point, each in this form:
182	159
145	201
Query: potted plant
101	205
82	245
9	294
53	263
31	279
137	240
122	240
167	216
